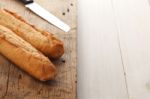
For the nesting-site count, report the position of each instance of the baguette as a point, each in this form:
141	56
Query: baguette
44	41
25	56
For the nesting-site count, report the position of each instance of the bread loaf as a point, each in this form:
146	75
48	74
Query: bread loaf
25	56
44	41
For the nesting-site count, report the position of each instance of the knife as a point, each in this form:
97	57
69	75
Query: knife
36	8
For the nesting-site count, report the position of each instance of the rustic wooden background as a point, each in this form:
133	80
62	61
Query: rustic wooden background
16	84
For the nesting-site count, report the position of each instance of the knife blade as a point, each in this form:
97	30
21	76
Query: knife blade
37	9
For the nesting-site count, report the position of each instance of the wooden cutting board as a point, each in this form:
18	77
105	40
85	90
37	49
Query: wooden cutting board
16	84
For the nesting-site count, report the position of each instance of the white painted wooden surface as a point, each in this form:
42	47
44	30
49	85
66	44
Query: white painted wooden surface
113	49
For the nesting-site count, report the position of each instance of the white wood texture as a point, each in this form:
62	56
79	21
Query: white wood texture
100	70
113	49
133	19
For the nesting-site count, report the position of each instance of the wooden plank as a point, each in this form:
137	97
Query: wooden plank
100	69
133	19
19	85
4	72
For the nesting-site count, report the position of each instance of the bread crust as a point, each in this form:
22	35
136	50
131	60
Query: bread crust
44	41
25	56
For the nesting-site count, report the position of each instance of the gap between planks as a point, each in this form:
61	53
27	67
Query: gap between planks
119	44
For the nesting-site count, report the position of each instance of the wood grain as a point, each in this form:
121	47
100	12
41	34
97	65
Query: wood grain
133	21
16	84
100	70
114	34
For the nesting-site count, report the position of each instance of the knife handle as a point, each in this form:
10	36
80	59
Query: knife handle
26	1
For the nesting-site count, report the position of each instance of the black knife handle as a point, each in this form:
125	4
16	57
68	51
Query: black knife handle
27	1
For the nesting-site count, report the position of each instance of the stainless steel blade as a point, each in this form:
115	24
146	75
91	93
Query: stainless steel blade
48	16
